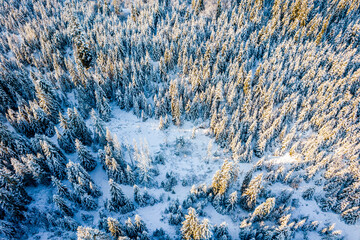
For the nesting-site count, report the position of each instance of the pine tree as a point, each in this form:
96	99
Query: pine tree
114	228
190	227
82	45
205	230
264	209
249	196
139	197
222	232
78	127
218	9
65	140
85	158
99	130
62	190
118	201
61	204
351	216
102	105
47	98
87	233
79	177
56	160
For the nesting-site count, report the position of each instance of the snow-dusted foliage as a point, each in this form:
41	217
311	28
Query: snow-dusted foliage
183	119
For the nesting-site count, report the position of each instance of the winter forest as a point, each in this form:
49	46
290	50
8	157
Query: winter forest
180	119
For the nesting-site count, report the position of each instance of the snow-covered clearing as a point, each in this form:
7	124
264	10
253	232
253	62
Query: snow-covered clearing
192	161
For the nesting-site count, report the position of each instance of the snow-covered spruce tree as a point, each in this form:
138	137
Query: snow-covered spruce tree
88	202
224	177
65	140
62	206
8	230
30	119
232	202
130	229
79	177
176	215
193	229
205	229
139	198
170	182
115	228
86	98
99	129
190	226
38	168
140	228
118	202
222	232
144	165
161	123
284	230
114	165
136	230
87	233
11	205
308	193
263	210
22	171
200	6
130	177
81	43
55	159
62	190
87	161
47	97
250	194
351	216
78	127
102	104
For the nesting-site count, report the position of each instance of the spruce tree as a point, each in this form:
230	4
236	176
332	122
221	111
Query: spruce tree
61	204
86	160
102	105
56	160
190	227
114	228
78	127
87	233
65	140
99	129
264	209
118	202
